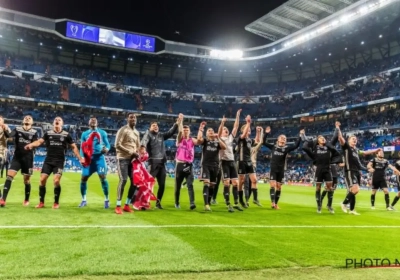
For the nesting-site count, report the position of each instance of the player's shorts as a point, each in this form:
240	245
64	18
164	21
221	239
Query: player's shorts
55	168
97	165
228	169
277	176
323	175
379	184
25	164
209	172
246	167
351	178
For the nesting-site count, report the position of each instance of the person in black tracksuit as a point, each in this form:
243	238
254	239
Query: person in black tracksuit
153	140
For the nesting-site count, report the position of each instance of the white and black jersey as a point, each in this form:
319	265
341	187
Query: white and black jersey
57	144
380	166
22	138
210	152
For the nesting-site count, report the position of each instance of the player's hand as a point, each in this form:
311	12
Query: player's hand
259	128
248	119
104	150
216	136
28	147
202	125
302	131
378	150
135	156
223	119
371	170
239	112
337	124
268	129
142	150
82	160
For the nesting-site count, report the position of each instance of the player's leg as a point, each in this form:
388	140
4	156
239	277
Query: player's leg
179	177
396	199
375	188
272	190
328	188
123	169
205	176
27	183
85	175
247	188
242	175
384	187
101	169
330	194
42	184
279	183
189	183
254	189
15	167
2	164
348	180
57	174
161	177
216	187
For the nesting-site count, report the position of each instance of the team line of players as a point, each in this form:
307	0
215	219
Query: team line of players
218	155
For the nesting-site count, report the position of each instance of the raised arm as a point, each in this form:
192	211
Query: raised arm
246	128
180	133
221	127
200	139
370	167
369	152
236	124
259	144
174	128
265	143
335	137
342	141
297	144
258	138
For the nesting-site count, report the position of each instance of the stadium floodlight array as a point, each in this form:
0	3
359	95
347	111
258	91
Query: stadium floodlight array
228	54
369	7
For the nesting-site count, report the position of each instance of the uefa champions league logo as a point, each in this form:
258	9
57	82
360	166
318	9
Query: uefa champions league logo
74	30
147	46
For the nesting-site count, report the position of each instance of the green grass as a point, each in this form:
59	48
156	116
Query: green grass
258	243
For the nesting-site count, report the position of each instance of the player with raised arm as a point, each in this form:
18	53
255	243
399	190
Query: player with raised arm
97	139
352	169
322	154
154	141
228	166
254	151
245	143
279	152
377	166
22	159
184	164
57	142
211	145
127	145
396	199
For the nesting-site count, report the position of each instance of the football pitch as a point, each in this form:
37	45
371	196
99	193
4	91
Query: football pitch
259	243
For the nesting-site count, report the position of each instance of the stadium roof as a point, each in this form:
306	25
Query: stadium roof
295	15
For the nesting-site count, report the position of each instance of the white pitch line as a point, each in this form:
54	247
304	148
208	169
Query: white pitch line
190	226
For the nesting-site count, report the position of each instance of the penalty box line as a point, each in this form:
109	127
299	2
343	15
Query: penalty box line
194	226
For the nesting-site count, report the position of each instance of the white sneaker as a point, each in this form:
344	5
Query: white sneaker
390	208
373	207
344	208
354	213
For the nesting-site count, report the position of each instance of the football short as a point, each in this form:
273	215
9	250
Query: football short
277	176
97	165
49	168
379	184
323	175
210	173
25	164
228	169
246	167
351	178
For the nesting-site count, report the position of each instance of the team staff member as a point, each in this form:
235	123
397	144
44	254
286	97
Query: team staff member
153	141
127	144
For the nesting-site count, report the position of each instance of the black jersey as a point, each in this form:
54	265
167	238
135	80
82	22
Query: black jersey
22	138
351	158
210	153
279	154
57	144
380	166
244	148
322	157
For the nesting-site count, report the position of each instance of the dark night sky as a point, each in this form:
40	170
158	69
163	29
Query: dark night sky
217	23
